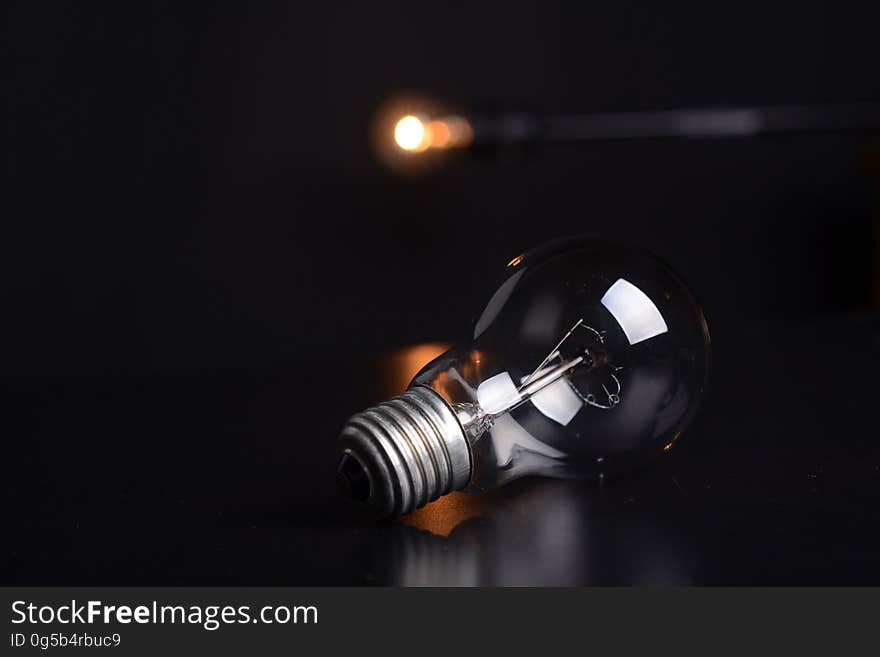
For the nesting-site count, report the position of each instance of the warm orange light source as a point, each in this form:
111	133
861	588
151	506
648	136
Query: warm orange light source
443	515
414	134
398	367
411	134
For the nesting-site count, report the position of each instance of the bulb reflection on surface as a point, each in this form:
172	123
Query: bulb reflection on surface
537	533
534	532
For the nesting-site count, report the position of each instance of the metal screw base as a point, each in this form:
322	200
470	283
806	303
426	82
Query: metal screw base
403	453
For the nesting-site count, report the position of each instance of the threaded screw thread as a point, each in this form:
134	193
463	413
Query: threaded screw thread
410	449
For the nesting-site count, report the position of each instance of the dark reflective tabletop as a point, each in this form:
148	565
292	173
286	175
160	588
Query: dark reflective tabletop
228	478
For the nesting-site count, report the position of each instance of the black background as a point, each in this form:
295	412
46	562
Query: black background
206	260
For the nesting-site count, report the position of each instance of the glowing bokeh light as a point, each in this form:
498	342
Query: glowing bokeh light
416	134
410	133
441	135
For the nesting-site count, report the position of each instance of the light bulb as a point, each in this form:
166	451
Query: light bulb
588	359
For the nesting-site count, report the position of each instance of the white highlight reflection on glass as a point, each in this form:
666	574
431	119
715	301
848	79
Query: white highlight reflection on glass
556	401
498	393
634	311
496	303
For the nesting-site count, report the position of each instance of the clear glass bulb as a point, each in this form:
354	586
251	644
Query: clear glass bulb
588	359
